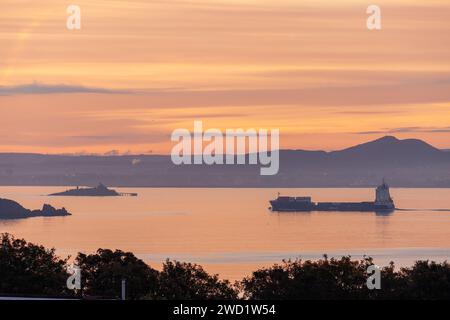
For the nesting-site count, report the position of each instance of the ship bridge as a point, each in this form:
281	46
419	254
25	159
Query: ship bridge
382	195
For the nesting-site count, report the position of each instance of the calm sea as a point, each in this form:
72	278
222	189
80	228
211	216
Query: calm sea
231	231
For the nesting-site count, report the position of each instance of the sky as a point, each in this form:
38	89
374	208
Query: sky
137	70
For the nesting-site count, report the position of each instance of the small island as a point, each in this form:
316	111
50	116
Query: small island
10	209
100	191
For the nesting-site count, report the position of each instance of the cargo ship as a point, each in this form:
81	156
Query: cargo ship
383	203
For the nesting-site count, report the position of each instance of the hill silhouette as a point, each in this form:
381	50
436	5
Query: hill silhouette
10	209
390	148
405	163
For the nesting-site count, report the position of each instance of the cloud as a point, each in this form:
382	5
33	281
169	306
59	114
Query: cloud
363	95
39	88
206	116
129	137
369	95
407	130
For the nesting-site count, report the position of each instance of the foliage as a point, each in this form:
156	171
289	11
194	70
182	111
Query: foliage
322	279
29	269
427	280
346	279
189	281
103	272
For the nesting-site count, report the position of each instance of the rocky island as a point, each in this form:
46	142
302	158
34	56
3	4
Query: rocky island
10	209
99	191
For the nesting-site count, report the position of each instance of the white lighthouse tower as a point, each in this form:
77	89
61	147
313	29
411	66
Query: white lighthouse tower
383	197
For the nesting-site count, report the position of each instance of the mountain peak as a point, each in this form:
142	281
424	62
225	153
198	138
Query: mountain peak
394	147
387	139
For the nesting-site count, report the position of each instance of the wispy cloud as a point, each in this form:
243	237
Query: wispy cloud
39	88
407	130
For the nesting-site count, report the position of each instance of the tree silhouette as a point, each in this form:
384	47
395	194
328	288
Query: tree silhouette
189	281
29	269
103	272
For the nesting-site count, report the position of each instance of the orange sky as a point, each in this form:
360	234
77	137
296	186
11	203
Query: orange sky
139	69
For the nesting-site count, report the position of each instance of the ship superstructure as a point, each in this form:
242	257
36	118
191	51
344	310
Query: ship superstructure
383	196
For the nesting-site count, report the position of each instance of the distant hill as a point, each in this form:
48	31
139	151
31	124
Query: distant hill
390	148
404	163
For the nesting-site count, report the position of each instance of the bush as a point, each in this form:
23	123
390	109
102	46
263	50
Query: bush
322	279
426	280
29	269
188	281
102	274
346	279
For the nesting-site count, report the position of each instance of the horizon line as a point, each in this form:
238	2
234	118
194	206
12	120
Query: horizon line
111	154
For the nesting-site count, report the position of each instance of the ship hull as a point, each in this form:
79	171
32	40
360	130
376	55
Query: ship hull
291	207
330	206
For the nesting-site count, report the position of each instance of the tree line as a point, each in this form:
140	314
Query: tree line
27	269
